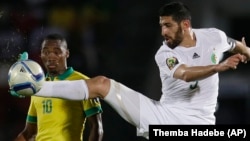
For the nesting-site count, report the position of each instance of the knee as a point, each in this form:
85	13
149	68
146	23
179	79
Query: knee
101	80
102	85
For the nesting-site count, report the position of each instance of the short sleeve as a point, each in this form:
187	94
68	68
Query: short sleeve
167	61
92	107
32	115
227	43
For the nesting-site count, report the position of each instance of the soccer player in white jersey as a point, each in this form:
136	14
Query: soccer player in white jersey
189	63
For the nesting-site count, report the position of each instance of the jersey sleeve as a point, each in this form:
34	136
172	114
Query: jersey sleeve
226	43
92	107
32	116
167	61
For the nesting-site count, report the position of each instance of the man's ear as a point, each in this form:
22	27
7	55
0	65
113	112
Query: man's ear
185	24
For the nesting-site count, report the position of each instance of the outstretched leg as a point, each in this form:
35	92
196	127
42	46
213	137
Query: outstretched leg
76	89
124	100
71	90
121	98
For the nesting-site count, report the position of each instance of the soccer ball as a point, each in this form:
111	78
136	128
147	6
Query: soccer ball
26	77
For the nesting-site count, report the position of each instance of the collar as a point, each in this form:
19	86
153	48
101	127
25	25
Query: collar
62	76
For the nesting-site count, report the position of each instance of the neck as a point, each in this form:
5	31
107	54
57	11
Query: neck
189	40
56	72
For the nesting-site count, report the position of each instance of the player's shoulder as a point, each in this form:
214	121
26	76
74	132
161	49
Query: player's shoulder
162	53
163	49
79	75
211	30
213	34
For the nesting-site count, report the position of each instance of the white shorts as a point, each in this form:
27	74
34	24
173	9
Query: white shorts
142	111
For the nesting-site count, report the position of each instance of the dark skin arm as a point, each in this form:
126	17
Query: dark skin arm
96	127
28	134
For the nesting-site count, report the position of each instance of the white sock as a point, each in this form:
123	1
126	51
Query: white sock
71	90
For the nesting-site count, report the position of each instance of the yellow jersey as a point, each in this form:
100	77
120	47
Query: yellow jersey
59	119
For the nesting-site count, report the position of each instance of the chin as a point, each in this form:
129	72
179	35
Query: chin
52	71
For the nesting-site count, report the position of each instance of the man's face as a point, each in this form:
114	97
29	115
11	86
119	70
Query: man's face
54	56
171	31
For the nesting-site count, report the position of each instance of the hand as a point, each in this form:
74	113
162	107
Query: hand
21	57
13	93
231	62
247	54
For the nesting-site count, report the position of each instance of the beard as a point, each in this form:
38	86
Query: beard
177	39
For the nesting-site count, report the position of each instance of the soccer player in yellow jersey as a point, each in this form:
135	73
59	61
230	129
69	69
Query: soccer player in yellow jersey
52	119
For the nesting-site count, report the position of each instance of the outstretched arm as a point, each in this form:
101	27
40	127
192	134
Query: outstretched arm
188	74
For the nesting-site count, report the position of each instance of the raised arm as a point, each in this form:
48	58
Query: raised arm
188	74
242	48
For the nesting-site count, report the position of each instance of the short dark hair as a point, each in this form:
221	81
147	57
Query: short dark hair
177	10
56	36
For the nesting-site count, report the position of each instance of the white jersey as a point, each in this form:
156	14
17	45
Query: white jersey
199	96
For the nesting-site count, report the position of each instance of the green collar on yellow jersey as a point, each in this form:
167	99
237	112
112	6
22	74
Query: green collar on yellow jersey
62	76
